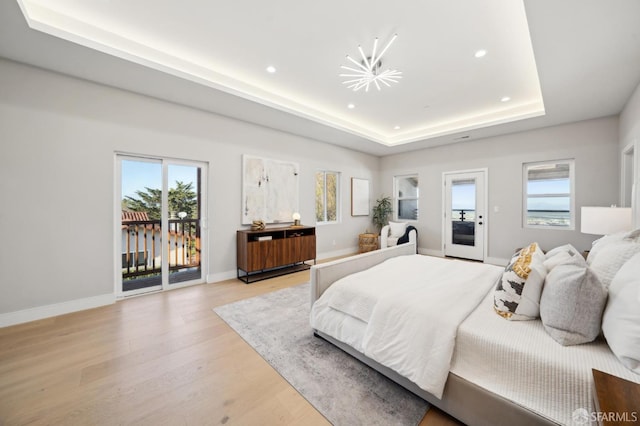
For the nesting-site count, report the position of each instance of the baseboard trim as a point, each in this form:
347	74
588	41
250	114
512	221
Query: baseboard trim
47	311
221	276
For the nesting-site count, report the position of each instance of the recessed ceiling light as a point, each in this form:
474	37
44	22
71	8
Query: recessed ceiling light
396	127
271	69
351	106
480	53
505	99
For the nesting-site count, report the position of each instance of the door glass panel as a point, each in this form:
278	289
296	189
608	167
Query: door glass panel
183	239
141	202
463	202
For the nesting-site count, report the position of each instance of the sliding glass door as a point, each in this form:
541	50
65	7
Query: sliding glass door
184	238
160	228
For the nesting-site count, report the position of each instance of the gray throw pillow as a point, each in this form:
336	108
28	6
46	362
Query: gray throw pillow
572	302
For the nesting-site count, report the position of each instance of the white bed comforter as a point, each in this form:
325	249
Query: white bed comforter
412	306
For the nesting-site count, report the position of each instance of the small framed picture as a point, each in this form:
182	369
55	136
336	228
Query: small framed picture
359	197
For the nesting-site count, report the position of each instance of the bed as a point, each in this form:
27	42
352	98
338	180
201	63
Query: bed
470	362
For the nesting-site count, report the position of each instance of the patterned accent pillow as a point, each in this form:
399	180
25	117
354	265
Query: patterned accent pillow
517	294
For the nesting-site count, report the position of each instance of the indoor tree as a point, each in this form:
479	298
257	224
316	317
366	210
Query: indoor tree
381	212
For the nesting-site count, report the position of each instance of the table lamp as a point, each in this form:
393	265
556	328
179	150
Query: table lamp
296	219
605	220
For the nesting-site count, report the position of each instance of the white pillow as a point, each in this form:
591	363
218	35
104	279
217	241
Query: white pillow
603	242
567	248
633	236
397	229
611	258
558	259
621	320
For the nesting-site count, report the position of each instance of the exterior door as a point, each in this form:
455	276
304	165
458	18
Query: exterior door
464	215
160	239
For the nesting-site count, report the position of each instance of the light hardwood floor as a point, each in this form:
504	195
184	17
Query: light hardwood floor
159	359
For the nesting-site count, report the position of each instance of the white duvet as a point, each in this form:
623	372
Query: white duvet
411	307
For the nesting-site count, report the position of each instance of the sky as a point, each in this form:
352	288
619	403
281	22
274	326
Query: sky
463	195
136	175
558	186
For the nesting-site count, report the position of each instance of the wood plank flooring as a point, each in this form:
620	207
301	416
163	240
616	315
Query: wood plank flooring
159	359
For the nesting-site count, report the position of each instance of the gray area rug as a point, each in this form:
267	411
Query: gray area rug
344	390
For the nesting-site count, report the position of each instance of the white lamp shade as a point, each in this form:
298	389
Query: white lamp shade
605	220
295	216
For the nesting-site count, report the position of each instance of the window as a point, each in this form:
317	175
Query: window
549	194
406	197
327	196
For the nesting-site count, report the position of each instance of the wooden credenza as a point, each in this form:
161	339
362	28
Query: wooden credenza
274	251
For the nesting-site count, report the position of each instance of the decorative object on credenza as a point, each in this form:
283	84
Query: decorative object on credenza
257	225
296	219
605	220
359	197
381	212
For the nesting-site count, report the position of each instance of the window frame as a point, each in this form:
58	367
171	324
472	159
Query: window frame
397	198
324	201
571	194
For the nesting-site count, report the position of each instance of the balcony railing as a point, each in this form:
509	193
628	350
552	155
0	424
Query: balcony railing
142	246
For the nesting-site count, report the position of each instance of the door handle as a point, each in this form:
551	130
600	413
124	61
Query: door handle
479	223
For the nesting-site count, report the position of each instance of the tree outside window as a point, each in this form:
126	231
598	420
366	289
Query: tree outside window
327	196
182	198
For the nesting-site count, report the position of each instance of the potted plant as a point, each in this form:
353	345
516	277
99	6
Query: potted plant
381	212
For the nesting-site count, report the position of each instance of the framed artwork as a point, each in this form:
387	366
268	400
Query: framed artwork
269	190
359	197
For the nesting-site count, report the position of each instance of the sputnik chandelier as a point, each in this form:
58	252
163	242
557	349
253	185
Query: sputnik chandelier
369	70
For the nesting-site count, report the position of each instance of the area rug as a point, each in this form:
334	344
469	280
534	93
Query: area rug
344	390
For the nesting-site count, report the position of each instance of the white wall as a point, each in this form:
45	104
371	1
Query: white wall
58	139
593	144
59	136
630	135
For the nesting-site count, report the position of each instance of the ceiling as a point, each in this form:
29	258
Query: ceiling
556	61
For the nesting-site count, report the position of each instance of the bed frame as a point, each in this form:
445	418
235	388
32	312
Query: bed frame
462	399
